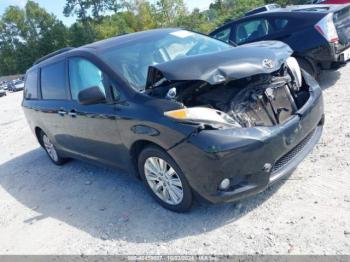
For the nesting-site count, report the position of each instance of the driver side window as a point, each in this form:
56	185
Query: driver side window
82	75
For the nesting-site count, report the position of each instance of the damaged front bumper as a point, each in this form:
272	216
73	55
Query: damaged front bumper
251	158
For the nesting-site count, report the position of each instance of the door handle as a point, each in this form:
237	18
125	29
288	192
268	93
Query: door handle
73	113
62	112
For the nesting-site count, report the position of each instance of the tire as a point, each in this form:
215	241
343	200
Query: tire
51	150
309	66
167	184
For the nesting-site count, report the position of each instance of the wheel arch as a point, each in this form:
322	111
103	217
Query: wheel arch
135	150
38	131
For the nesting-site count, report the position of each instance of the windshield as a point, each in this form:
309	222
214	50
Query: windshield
133	59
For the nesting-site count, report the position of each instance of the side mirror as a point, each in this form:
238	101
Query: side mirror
90	96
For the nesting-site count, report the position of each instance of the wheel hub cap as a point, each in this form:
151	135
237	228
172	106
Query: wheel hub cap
50	149
163	180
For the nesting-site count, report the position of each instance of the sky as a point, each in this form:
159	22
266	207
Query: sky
56	6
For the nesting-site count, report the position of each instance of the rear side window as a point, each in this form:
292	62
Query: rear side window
31	85
82	75
53	81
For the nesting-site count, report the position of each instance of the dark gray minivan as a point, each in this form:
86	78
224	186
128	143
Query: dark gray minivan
188	114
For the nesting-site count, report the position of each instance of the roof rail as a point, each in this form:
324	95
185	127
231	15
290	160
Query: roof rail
60	51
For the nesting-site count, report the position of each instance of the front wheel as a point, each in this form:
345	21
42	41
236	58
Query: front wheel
51	150
164	179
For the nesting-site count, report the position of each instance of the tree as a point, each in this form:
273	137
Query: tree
145	14
115	5
26	35
80	9
98	7
77	35
170	11
197	21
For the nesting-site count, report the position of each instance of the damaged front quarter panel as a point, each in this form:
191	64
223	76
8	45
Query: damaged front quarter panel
249	86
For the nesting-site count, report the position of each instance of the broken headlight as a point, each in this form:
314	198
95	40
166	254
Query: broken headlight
295	72
203	115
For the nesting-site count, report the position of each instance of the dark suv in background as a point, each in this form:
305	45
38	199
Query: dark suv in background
318	34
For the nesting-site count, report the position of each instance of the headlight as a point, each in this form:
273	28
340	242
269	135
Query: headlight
203	115
294	68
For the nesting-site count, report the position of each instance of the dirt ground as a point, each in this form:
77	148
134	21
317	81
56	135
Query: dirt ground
83	209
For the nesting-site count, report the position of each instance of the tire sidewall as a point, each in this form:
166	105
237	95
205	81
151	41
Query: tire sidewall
153	151
60	160
309	66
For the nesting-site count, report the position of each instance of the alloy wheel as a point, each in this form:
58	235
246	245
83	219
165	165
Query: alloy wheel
50	149
163	180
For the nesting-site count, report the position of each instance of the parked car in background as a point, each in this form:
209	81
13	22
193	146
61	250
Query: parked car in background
331	2
191	114
16	85
3	85
9	85
2	92
318	34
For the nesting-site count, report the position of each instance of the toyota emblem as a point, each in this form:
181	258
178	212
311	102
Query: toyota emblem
268	63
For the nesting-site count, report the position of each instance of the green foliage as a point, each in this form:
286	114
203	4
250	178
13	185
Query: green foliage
170	12
29	33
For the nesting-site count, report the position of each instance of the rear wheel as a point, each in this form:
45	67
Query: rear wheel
164	179
309	66
51	150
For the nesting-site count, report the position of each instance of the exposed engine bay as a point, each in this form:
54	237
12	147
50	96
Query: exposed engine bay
259	100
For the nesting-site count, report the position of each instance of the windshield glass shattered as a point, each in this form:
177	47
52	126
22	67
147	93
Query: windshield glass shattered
133	59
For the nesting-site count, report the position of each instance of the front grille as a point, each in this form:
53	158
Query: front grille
284	160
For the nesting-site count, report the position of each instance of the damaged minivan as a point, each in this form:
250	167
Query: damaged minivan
189	115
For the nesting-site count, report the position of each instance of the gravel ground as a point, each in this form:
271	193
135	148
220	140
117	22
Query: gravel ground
83	209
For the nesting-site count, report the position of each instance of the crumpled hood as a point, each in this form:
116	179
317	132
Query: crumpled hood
235	63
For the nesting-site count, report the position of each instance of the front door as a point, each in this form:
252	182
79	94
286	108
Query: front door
93	129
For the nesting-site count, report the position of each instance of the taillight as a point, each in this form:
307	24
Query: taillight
327	29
